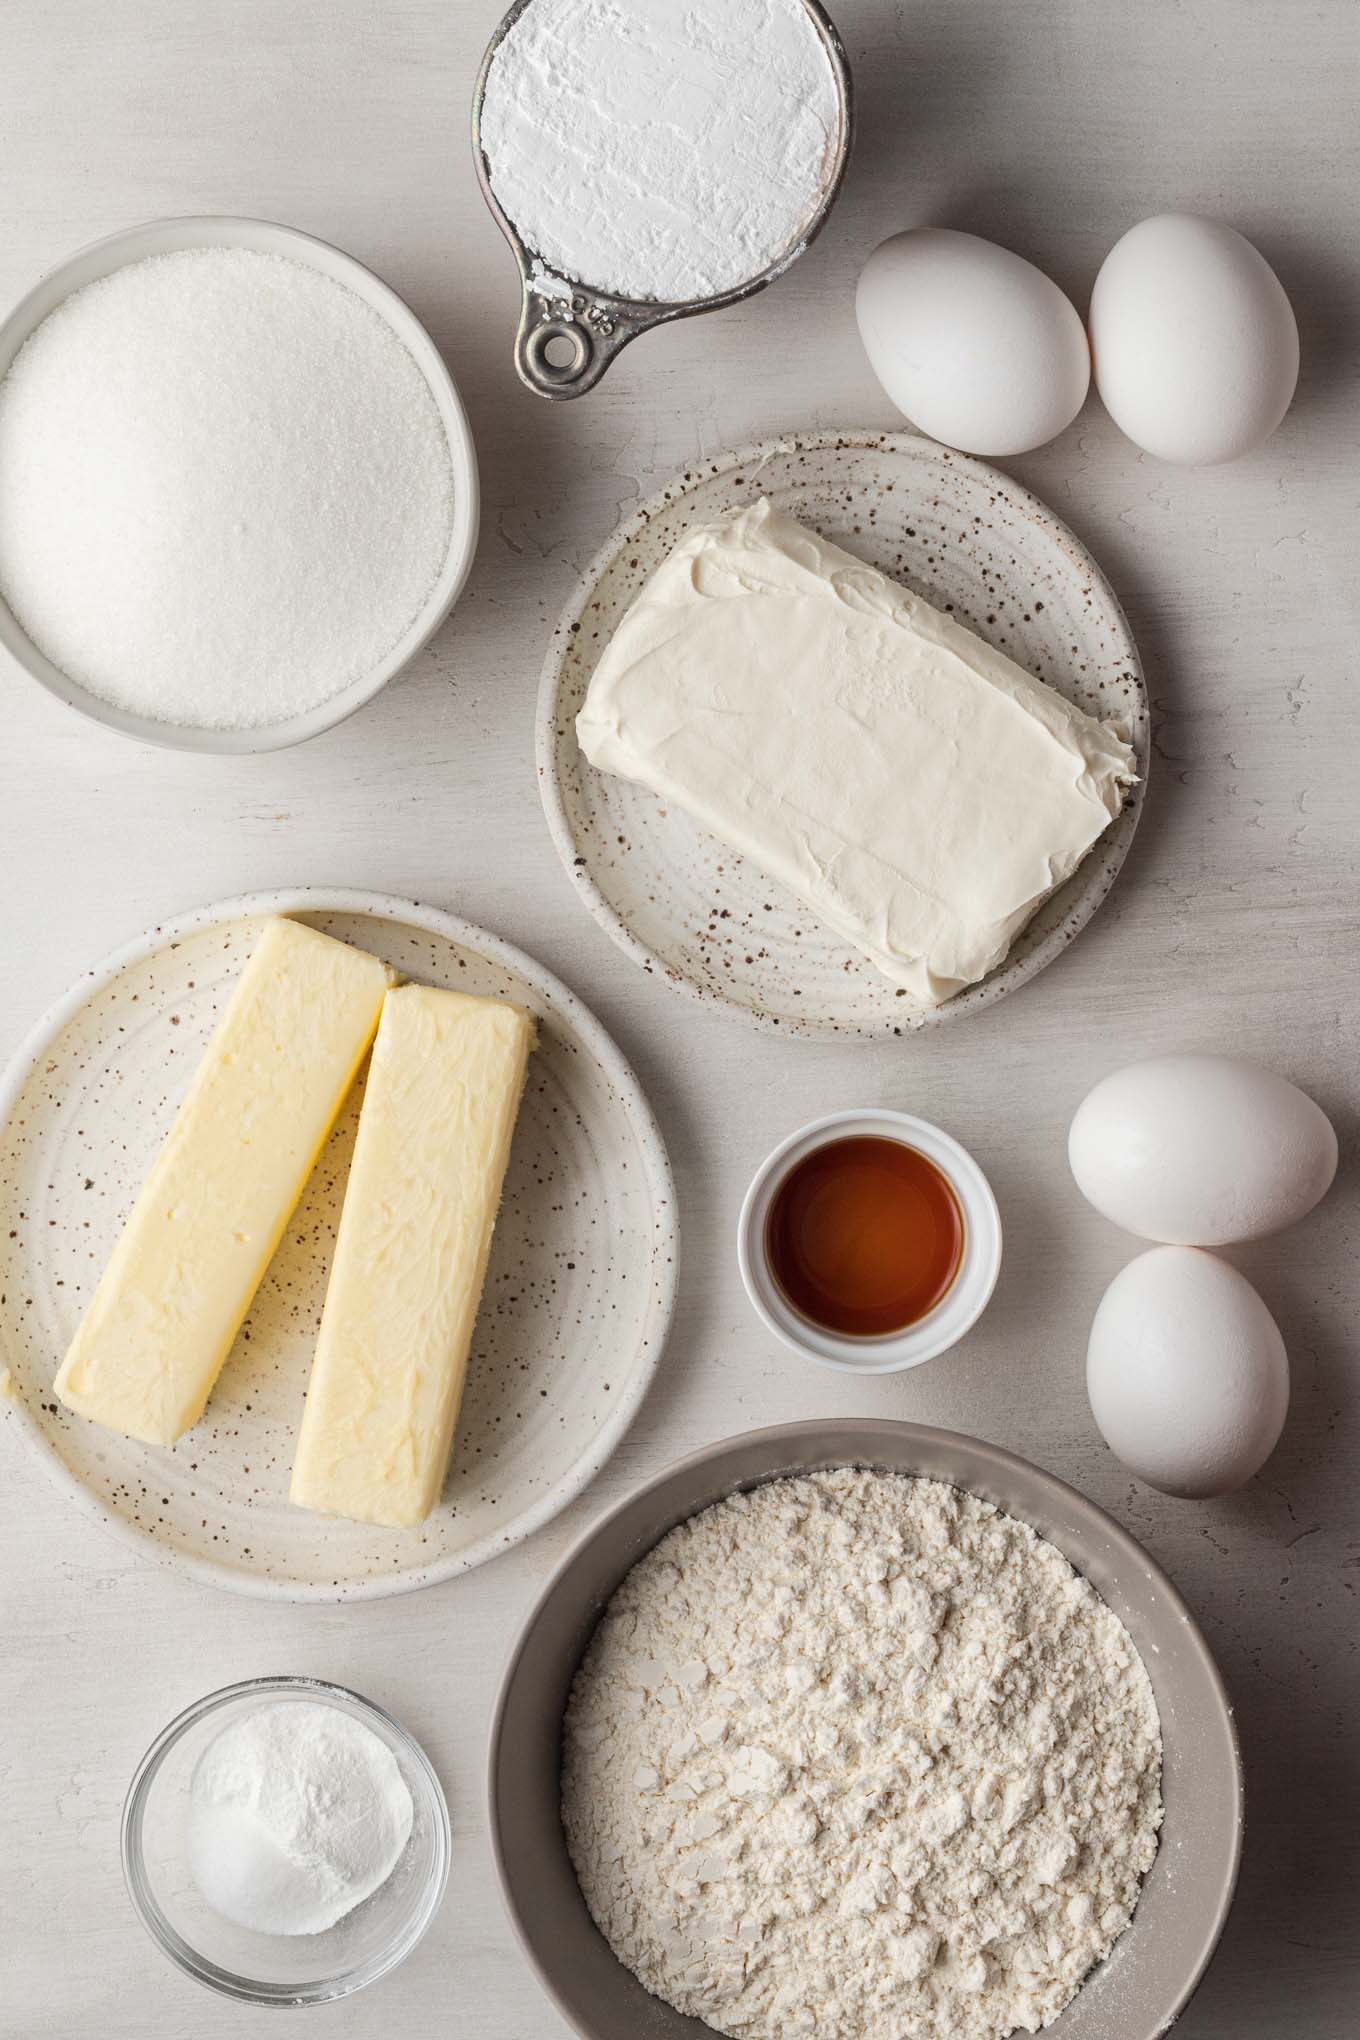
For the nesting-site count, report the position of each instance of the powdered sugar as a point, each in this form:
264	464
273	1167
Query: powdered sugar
660	150
225	488
855	1756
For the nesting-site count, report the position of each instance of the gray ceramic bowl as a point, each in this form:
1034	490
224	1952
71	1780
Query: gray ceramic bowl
1158	1961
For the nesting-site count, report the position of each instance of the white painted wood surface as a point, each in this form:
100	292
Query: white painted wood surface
1051	126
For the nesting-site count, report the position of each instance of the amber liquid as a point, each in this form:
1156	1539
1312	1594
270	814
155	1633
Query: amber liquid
865	1236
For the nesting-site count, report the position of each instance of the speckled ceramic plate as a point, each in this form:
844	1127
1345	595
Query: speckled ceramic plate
574	1314
967	538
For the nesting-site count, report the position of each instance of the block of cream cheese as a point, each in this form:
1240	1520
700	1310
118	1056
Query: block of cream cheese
443	1092
921	792
224	1186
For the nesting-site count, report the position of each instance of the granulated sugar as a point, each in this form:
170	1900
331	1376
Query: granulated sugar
656	150
225	488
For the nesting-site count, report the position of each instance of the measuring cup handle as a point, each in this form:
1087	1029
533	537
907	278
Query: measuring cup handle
584	332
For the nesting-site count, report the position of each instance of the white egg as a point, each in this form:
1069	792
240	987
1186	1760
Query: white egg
973	344
1186	1372
1193	341
1201	1150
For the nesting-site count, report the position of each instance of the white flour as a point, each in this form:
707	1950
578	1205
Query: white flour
660	149
298	1812
857	1756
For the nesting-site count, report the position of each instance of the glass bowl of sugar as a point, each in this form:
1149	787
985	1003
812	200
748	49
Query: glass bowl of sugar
238	490
285	1842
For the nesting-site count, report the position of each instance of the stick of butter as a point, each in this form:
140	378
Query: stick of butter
443	1092
921	792
225	1184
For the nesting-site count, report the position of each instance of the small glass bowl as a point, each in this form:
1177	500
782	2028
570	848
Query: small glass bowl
268	1969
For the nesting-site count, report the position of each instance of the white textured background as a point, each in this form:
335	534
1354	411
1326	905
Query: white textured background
1050	125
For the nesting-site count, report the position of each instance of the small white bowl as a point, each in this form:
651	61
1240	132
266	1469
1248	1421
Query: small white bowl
264	237
958	1309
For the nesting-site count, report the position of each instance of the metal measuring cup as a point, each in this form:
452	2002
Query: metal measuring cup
590	326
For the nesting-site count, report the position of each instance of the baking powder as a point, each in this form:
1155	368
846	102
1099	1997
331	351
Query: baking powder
659	150
855	1756
298	1812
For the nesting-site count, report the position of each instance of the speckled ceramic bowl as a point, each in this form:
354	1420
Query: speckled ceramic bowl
574	1314
1155	1964
969	539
